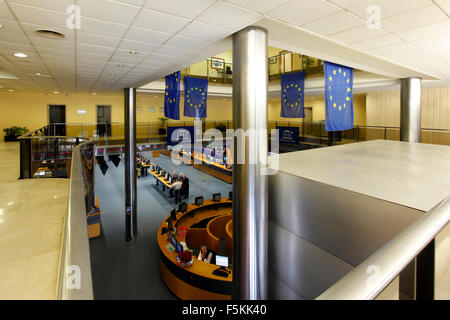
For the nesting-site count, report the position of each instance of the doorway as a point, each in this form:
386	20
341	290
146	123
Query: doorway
104	120
57	120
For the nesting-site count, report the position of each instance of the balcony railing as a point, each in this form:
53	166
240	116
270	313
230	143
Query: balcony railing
413	245
284	62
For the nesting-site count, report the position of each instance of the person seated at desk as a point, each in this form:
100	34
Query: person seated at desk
206	255
185	190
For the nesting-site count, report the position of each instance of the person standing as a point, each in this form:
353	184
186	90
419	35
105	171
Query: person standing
186	186
176	186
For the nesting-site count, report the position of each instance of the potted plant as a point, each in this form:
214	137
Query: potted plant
221	127
11	134
162	129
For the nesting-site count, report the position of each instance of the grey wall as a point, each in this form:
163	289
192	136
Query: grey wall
318	233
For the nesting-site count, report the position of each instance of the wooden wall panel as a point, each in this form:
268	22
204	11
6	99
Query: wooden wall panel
383	109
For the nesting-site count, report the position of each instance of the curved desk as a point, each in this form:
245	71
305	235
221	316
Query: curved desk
197	282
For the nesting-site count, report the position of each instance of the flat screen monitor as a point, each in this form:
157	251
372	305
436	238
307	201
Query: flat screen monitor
222	261
231	195
170	179
172	240
217	197
167	176
199	201
182	207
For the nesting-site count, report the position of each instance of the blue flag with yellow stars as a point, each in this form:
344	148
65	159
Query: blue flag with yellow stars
293	95
338	97
195	97
172	96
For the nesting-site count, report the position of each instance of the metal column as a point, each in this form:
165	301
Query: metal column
410	93
130	163
250	188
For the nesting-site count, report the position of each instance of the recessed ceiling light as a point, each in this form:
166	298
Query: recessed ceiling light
134	52
55	92
1	26
121	65
20	55
1	87
10	90
94	94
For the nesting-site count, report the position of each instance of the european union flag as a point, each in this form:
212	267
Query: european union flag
195	97
338	97
293	95
172	96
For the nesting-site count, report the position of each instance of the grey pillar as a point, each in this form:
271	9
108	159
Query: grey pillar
250	218
410	93
130	163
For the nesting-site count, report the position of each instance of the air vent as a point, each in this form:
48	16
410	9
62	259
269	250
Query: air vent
50	34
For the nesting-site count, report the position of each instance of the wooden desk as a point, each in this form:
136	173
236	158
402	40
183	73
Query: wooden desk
197	281
162	179
212	168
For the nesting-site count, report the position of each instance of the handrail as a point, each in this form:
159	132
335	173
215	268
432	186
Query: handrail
391	259
75	254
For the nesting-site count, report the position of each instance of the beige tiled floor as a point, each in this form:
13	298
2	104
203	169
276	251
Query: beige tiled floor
32	216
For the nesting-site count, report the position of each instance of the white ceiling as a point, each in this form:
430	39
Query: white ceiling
414	38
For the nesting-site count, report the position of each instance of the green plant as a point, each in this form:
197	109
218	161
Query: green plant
163	121
16	131
221	127
307	62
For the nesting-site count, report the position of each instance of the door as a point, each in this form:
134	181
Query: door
57	120
104	121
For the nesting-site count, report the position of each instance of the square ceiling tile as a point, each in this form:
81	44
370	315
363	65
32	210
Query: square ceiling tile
335	22
4	11
388	8
300	12
228	16
32	15
347	3
437	46
182	8
60	5
95	39
130	45
101	27
357	34
203	31
444	5
157	21
90	49
107	10
427	31
171	52
262	6
378	42
185	42
412	19
147	36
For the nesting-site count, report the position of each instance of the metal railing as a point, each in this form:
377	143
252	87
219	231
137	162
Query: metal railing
75	277
279	64
393	258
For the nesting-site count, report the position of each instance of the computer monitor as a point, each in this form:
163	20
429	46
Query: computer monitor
170	179
182	207
217	197
173	241
199	201
230	195
167	176
222	261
